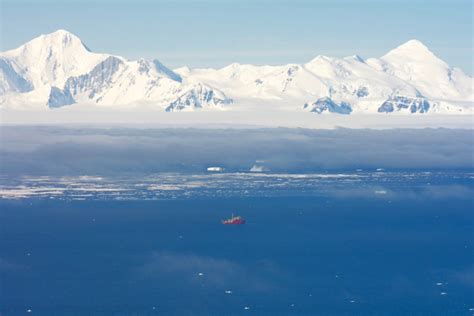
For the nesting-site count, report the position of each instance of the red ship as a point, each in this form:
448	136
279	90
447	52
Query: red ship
234	220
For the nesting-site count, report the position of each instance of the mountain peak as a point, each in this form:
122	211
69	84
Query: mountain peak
56	55
355	58
414	44
413	48
61	38
60	32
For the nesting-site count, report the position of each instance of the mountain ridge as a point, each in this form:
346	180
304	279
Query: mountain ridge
58	69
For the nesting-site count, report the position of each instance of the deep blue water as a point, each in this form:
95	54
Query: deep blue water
299	254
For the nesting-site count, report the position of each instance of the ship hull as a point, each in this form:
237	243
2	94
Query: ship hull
241	222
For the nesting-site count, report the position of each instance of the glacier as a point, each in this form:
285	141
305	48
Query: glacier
57	70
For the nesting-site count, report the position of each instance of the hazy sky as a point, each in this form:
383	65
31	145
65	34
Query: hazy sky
216	33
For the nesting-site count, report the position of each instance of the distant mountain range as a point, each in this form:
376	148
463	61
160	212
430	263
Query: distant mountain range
57	70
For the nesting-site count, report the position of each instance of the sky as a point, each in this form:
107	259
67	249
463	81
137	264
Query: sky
214	33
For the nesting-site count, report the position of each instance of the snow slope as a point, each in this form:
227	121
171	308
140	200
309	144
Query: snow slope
406	76
57	70
414	63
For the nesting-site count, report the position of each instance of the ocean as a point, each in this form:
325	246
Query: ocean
366	242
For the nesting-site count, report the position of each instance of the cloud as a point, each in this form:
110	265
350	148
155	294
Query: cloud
190	271
11	268
61	150
416	192
465	276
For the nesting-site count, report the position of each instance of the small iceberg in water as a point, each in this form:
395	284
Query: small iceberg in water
215	169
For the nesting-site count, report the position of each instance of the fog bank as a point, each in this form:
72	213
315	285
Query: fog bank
62	150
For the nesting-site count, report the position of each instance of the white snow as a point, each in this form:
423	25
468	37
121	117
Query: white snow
61	60
52	58
414	63
57	69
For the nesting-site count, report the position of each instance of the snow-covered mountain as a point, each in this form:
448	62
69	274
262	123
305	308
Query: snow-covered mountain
58	70
403	78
